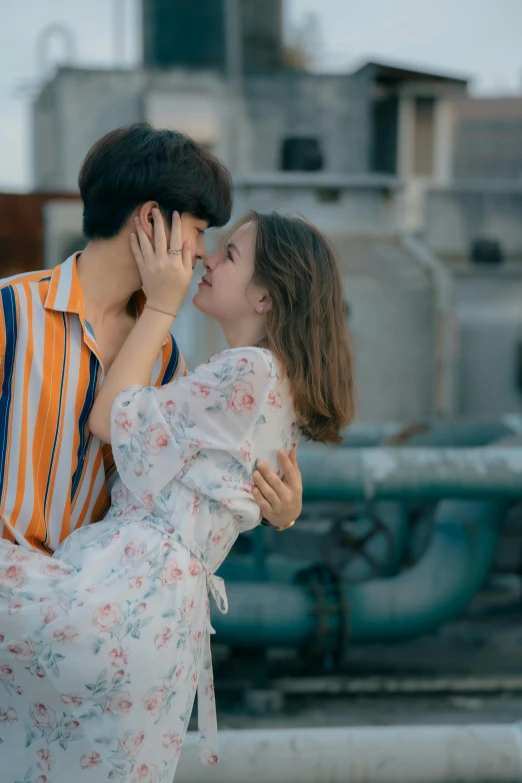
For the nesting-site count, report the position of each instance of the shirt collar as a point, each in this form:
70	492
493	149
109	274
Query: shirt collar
65	293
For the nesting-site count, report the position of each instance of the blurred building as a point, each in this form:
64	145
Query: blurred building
216	69
488	139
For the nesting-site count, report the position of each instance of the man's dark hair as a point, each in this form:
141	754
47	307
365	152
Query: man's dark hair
137	163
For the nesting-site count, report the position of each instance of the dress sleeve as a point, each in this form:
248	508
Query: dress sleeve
155	432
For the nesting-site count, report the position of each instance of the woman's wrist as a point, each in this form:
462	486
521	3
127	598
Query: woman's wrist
161	310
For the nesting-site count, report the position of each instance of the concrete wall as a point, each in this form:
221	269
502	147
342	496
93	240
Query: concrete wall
335	109
336	204
455	217
79	106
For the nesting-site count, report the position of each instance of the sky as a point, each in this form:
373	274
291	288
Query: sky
480	39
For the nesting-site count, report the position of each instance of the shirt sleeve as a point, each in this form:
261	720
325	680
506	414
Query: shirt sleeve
156	432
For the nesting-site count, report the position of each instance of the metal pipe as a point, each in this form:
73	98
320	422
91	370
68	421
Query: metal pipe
460	432
393	754
440	586
420	473
415	601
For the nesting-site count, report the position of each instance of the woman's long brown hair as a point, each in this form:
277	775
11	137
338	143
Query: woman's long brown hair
306	326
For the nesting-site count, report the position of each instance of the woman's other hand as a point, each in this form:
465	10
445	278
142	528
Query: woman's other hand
280	500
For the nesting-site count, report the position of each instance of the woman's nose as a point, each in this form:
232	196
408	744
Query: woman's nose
210	261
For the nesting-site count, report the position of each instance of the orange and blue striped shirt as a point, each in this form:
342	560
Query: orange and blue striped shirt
53	471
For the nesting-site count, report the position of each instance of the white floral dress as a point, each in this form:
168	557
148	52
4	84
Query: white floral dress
103	646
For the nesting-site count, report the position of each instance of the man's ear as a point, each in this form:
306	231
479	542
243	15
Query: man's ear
145	218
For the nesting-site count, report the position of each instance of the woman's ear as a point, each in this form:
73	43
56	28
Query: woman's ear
264	303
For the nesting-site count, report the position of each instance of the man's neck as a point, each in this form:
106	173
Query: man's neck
108	276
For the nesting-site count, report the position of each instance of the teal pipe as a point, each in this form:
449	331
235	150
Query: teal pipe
416	601
276	567
410	473
461	433
440	586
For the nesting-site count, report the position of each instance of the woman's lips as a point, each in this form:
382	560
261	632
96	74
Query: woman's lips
203	283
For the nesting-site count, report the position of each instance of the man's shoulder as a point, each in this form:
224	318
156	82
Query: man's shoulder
41	276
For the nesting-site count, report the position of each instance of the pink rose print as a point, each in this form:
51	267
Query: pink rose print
118	703
107	616
8	716
23	650
242	364
41	779
119	656
51	610
170	407
139	467
199	389
12	576
132	743
195	641
157	439
118	676
17	555
136	581
242	397
2	637
276	403
90	761
194	506
154	699
132	551
140	608
44	760
245	451
247	486
14	608
54	569
145	773
171	574
42	716
123	422
6	672
170	740
146	498
186	609
66	634
207	757
163	639
195	567
71	698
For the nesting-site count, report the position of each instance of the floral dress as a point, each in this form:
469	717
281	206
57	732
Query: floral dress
103	646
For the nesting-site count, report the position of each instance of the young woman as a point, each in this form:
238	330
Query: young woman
103	646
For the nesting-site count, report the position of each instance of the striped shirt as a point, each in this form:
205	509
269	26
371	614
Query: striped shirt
53	471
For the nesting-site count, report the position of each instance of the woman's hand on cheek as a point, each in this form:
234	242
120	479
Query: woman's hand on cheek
166	272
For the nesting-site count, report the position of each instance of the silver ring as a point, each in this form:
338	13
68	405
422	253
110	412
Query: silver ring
175	251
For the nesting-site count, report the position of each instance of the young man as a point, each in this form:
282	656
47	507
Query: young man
60	332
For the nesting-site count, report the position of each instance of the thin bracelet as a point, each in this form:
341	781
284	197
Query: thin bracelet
279	529
165	312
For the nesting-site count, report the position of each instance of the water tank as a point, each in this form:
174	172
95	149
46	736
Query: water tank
190	34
